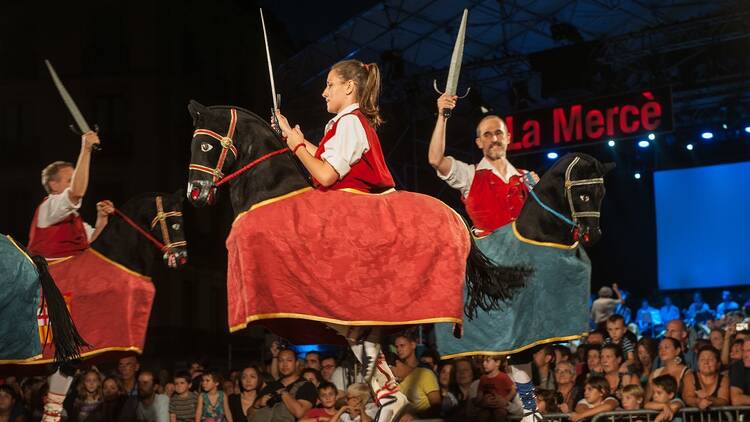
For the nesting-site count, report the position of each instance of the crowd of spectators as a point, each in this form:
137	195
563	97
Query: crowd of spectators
615	367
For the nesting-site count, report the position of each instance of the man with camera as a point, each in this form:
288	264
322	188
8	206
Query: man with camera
739	377
287	399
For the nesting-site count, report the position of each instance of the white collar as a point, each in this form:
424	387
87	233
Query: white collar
348	109
509	171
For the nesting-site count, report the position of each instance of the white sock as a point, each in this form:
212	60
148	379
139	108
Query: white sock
521	373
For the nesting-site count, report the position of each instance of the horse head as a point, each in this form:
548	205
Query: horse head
584	192
212	153
168	226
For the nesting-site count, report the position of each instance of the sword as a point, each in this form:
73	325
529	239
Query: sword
455	68
68	100
276	97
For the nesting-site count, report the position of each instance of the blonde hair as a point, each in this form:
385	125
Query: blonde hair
50	173
361	390
634	390
81	388
367	78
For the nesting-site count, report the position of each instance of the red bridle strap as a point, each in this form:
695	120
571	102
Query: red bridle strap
250	165
226	145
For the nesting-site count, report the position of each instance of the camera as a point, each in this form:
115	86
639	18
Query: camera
742	326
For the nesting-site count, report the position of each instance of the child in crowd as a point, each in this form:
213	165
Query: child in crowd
357	408
495	390
547	401
632	397
213	405
596	399
89	395
664	398
616	330
183	402
327	393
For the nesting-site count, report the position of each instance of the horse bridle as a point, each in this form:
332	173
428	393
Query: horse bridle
160	218
227	145
569	184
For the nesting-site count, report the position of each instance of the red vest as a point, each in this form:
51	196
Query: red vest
68	237
369	174
492	203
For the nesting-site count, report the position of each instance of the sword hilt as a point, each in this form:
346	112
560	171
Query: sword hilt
447	113
74	129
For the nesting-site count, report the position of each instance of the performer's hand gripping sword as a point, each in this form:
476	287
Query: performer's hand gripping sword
83	127
276	97
455	68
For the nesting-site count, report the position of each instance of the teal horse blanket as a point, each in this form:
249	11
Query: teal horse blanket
20	293
553	306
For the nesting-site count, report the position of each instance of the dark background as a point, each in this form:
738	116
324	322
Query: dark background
132	68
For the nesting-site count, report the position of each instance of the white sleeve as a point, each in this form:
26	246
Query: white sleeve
460	176
347	146
89	230
55	209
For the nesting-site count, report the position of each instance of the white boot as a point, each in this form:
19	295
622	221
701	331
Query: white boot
390	400
521	375
59	385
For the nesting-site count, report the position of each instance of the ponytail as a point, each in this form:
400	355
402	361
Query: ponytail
367	79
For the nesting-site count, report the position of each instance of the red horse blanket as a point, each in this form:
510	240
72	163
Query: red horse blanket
110	305
346	258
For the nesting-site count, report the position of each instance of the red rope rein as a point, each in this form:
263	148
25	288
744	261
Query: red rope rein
250	165
138	228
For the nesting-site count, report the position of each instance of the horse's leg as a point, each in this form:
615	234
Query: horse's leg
59	384
520	373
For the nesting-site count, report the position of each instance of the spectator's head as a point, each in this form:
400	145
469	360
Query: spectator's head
445	373
544	357
606	292
726	296
490	364
211	380
746	352
182	382
327	393
611	357
112	388
327	367
228	386
128	368
547	401
562	353
406	346
596	389
251	379
645	304
717	338
709	360
616	327
8	399
670	351
196	368
312	375
648	349
565	373
463	370
91	385
665	388
357	394
146	385
593	357
677	330
312	360
632	397
667	301
287	362
595	337
57	176
736	350
697	298
430	358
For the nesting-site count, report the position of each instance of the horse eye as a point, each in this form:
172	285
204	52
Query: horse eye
176	226
585	198
205	147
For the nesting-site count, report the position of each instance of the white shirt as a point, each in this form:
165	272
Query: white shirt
56	208
349	143
461	175
158	411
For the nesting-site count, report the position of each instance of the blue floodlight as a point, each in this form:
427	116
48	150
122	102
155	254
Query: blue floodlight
644	144
552	155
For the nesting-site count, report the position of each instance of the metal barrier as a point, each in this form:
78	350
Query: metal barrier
687	414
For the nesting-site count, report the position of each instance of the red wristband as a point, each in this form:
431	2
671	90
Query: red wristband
298	146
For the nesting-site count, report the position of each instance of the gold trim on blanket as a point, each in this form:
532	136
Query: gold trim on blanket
510	352
271	201
83	355
548	244
118	265
19	361
277	315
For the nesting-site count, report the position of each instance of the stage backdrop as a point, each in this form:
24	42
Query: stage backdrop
703	226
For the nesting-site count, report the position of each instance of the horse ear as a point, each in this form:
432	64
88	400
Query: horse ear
607	167
195	108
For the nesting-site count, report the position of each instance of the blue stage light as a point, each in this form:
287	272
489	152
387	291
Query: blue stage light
611	142
644	144
552	155
747	129
707	135
651	136
689	147
637	175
